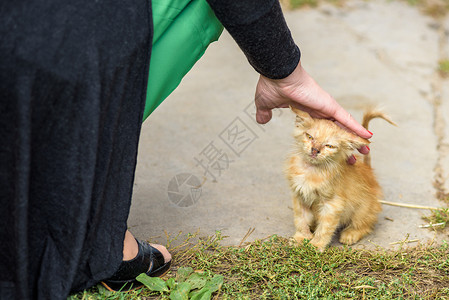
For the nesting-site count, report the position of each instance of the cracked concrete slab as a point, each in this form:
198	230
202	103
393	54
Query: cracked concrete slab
205	133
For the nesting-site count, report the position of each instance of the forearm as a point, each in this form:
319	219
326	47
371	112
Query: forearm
259	28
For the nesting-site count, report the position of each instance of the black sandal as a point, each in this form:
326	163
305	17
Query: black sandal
149	260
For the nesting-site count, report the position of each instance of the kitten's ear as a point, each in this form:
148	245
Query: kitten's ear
355	142
302	118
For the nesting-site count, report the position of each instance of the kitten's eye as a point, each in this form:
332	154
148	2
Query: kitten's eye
330	146
309	136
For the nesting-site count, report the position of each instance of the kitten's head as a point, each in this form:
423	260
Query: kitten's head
322	142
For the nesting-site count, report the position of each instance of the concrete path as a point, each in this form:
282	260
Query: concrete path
377	52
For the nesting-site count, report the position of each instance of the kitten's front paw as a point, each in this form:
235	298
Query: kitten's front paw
350	236
299	237
319	244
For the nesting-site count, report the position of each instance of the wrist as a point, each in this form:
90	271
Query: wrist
298	78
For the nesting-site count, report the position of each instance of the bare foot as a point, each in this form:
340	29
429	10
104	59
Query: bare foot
164	251
130	248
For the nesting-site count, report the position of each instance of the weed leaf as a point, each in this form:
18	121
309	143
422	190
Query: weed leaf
181	292
203	294
176	295
197	281
171	283
183	273
153	283
215	283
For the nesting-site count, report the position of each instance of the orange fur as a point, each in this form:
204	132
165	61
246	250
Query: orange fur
327	191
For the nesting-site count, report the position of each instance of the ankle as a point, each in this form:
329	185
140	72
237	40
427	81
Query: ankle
130	247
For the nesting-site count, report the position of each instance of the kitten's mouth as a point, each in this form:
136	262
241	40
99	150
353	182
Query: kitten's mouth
313	158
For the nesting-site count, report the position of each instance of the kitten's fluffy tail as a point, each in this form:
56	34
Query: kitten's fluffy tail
367	117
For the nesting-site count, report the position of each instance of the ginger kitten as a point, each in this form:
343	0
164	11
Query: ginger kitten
327	191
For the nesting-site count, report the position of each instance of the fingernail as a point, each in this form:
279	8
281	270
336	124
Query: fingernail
370	132
368	148
355	158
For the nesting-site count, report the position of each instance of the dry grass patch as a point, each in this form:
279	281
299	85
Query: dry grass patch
275	268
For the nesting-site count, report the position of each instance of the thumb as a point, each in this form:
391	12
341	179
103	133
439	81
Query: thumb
263	116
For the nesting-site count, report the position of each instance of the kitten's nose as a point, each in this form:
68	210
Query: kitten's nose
315	151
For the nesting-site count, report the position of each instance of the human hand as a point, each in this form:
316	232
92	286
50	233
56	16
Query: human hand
301	91
364	150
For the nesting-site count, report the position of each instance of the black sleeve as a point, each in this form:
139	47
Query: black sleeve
259	28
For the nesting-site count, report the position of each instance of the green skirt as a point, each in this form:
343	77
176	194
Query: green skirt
183	29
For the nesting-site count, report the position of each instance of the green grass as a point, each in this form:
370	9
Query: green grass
443	67
274	268
439	217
